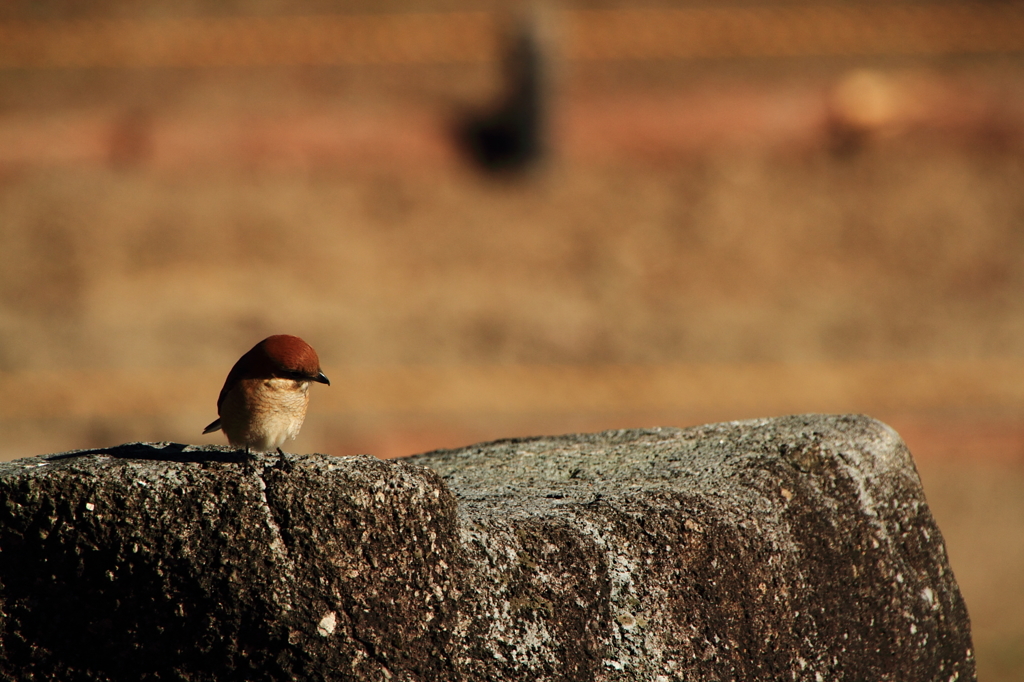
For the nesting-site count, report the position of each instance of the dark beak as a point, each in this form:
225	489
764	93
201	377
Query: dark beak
322	378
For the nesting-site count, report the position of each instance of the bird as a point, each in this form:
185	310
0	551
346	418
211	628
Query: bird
263	401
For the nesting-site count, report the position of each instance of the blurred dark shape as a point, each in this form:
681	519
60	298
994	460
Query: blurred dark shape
509	135
131	139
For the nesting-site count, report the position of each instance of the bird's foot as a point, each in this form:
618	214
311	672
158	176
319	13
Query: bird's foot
283	462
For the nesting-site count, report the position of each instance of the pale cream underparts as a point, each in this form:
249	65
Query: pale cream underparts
261	414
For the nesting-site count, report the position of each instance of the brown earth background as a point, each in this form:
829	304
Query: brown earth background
746	211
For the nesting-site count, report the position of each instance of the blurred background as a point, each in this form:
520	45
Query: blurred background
494	219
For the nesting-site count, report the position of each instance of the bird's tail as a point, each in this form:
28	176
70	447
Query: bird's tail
215	426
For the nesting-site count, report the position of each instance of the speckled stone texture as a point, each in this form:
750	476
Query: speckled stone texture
798	548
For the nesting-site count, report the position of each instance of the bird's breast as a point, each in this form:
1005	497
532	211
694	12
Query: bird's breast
263	413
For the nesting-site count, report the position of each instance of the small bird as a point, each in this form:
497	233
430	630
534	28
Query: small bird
264	399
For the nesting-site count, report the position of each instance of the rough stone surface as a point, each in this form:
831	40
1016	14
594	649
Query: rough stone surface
798	548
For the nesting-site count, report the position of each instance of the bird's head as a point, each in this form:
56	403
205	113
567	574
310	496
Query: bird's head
287	357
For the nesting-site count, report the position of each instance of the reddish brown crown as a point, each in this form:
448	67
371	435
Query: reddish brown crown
289	353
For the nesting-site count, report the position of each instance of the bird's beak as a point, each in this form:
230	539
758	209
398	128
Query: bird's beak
322	378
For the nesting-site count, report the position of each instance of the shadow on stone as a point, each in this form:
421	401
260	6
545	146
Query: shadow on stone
160	452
